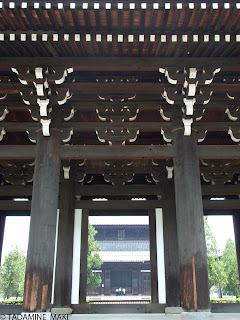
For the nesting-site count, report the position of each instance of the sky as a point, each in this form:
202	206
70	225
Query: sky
17	230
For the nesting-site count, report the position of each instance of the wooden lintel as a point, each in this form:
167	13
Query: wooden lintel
118	204
121	204
127	190
220	190
121	64
142	126
115	152
104	152
15	191
219	152
221	205
91	126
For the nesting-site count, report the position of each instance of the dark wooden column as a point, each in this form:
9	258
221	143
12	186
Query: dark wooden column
190	226
236	223
2	226
107	282
63	271
83	257
134	281
153	256
41	247
172	272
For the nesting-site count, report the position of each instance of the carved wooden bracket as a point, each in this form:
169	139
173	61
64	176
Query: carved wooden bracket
77	171
117	113
117	79
42	90
18	173
217	171
190	87
162	170
233	109
117	135
118	172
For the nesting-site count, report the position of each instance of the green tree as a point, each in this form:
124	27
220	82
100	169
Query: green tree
216	273
12	274
93	259
229	260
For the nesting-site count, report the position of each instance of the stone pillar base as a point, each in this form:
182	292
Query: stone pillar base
200	315
61	310
173	310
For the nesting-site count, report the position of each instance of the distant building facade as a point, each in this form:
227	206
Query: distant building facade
125	252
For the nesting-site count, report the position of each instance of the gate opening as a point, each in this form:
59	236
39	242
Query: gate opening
121	252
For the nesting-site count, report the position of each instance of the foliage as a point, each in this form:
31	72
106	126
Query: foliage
225	300
11	301
229	260
93	259
12	273
216	274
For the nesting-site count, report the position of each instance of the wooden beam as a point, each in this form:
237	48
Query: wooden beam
115	152
91	105
104	152
221	205
118	204
140	125
24	206
221	190
121	64
127	190
219	152
15	191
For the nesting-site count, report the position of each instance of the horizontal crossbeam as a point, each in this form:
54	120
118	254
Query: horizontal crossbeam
10	205
127	190
121	64
96	152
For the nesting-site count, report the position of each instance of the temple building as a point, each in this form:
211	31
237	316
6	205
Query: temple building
133	102
125	253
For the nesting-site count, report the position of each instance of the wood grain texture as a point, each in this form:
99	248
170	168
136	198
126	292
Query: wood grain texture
190	226
63	273
44	205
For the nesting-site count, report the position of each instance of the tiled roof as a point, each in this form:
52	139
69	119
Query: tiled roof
123	256
142	245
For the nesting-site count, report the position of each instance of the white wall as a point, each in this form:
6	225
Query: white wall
76	256
160	257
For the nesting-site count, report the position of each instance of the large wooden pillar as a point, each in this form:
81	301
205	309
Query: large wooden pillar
63	271
236	223
41	247
2	226
171	258
190	226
